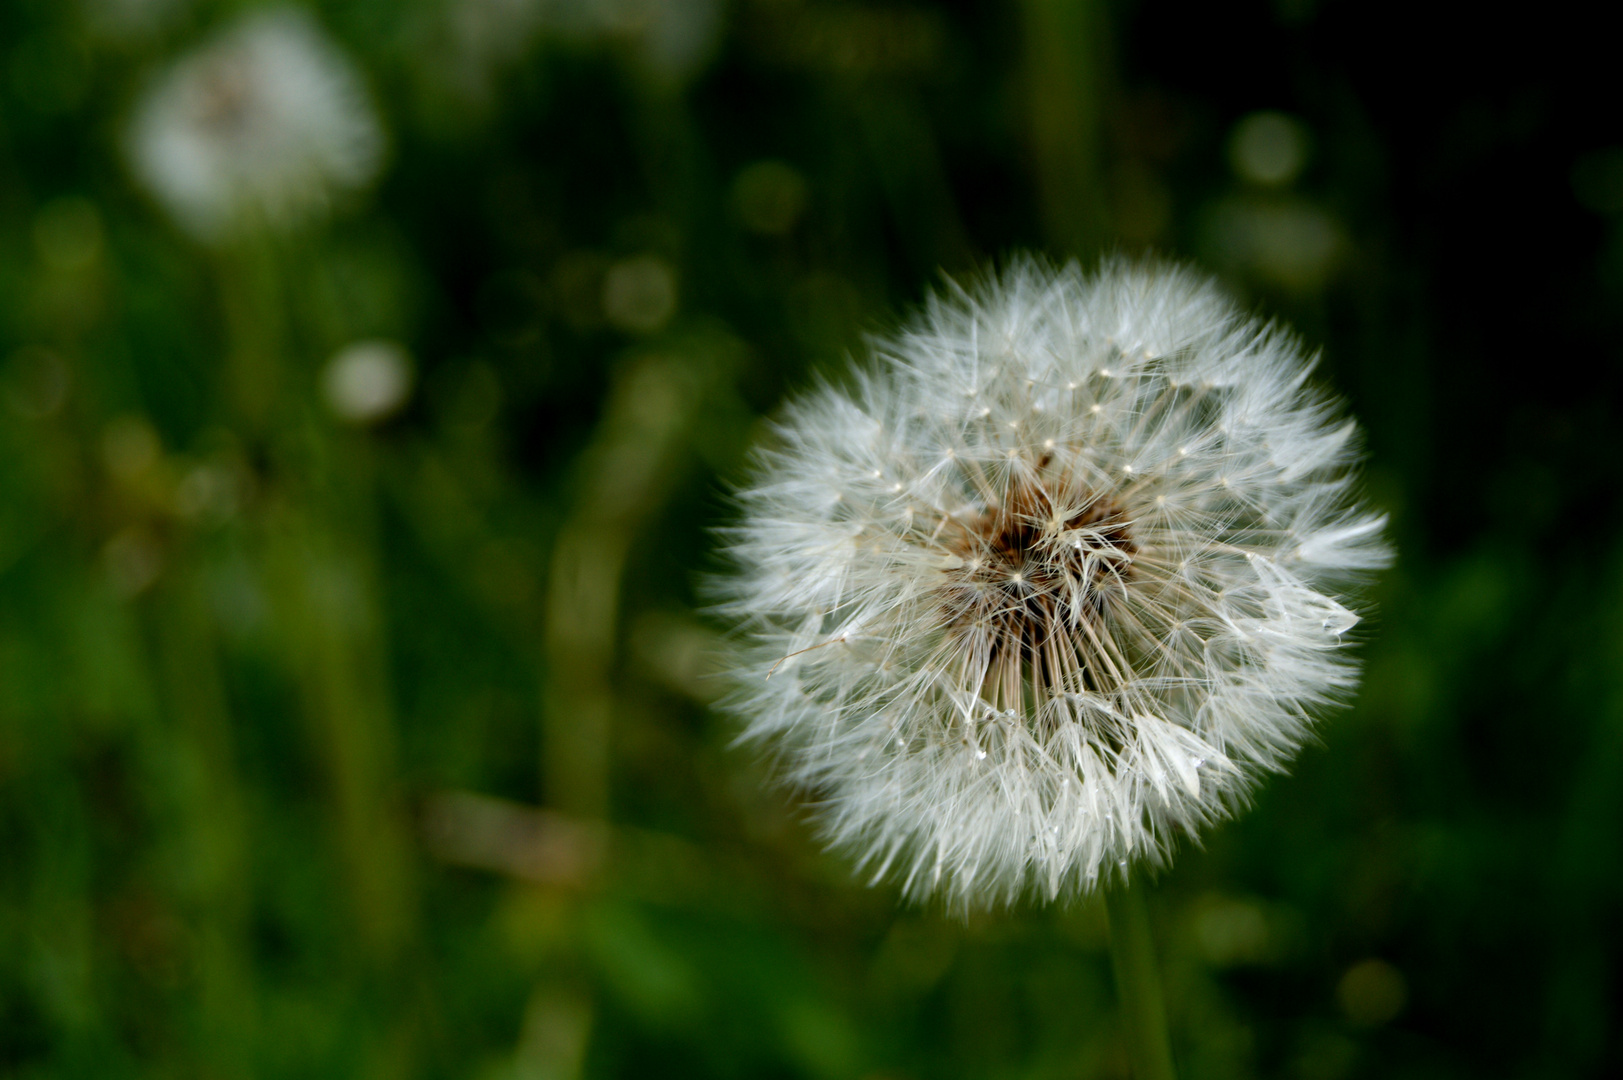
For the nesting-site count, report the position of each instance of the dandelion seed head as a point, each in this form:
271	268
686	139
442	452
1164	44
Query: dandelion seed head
1099	609
261	127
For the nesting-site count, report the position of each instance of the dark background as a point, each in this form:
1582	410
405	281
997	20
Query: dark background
281	697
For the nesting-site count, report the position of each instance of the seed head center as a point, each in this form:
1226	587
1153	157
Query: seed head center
1030	590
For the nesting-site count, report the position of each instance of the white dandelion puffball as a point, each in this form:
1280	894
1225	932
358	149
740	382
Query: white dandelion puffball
1053	584
262	127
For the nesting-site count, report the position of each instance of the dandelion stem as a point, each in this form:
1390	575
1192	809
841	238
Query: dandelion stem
254	298
1132	954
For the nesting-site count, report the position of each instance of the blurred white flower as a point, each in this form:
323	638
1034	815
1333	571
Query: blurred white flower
264	126
1052	584
367	381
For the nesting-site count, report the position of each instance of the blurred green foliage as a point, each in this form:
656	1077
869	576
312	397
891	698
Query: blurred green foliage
336	743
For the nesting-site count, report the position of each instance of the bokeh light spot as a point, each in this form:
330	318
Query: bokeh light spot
1372	993
367	381
1269	148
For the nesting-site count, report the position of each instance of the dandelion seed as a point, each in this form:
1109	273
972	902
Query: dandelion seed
1142	603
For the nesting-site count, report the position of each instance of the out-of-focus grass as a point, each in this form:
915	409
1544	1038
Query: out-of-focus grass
387	750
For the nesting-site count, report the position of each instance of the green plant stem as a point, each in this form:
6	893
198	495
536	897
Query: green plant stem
254	298
1132	954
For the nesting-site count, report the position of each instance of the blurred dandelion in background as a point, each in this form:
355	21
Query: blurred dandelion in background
1052	586
266	125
